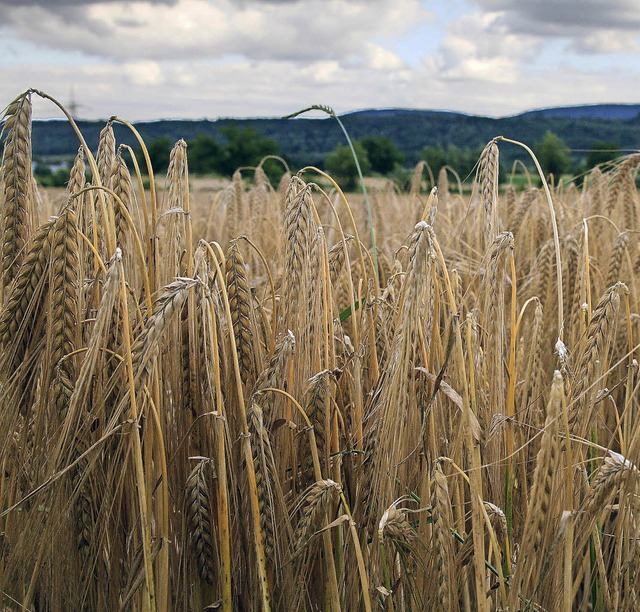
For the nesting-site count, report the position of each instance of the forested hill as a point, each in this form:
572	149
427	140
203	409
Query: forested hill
307	141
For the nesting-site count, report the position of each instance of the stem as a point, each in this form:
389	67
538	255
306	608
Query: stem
329	111
134	233
587	272
150	238
568	567
372	229
472	444
274	301
246	440
137	448
163	520
110	238
385	568
143	197
364	582
510	410
223	493
554	224
326	535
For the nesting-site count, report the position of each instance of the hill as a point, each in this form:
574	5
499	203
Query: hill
307	140
616	112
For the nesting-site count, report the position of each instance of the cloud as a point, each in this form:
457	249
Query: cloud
196	58
63	3
289	30
618	14
478	47
144	72
574	19
379	58
240	87
510	39
605	42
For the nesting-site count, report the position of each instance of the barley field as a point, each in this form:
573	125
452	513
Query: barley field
267	397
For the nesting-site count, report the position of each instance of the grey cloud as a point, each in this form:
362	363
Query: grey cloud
53	5
69	9
568	18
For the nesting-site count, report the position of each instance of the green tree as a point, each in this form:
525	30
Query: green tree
46	177
553	154
244	147
342	167
159	152
602	152
383	154
462	160
436	157
204	154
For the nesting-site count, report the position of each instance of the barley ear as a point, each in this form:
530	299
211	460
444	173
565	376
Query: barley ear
199	511
17	214
489	170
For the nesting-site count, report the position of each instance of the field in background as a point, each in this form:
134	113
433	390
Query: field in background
231	396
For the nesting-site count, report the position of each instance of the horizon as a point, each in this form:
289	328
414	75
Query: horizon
347	113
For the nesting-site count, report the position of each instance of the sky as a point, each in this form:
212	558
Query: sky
156	59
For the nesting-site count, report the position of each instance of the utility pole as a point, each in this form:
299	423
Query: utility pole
73	103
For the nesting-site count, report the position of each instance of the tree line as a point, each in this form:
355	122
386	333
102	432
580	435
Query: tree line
377	155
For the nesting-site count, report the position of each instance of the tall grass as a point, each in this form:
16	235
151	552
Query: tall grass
220	400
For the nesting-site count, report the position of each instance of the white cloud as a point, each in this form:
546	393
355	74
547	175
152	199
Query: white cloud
144	72
379	58
325	72
276	88
313	29
196	58
479	48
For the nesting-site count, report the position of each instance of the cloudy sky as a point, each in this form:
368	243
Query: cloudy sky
152	59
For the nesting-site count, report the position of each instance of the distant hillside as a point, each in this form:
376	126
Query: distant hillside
616	112
307	141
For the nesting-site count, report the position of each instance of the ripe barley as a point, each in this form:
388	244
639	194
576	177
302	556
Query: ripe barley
121	184
317	402
240	305
274	375
263	464
540	499
300	228
489	169
77	178
337	259
18	214
106	153
165	307
21	307
618	250
199	511
64	315
312	505
591	354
